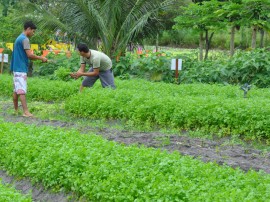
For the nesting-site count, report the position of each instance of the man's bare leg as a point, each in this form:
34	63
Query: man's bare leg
24	105
15	102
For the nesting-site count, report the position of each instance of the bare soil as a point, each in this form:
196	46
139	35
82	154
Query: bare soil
218	151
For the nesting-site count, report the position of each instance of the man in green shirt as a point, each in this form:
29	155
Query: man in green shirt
100	68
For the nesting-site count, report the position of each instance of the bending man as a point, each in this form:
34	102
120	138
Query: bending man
100	68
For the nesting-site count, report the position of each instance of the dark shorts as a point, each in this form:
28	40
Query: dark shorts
106	79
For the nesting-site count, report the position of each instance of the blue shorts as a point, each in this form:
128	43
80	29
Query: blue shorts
106	79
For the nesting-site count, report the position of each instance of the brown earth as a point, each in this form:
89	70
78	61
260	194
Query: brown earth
218	151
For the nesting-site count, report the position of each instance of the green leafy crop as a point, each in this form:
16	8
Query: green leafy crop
101	170
8	193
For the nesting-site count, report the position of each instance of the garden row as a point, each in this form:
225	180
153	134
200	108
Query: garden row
217	109
8	193
100	170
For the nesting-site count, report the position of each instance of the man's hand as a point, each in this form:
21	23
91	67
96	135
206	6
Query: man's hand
75	75
79	74
43	59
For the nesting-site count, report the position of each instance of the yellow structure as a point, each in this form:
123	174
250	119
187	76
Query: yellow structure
53	45
34	47
49	45
9	46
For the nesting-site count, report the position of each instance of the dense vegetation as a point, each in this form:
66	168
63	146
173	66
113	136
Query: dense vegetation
251	67
236	24
216	109
222	94
8	193
99	170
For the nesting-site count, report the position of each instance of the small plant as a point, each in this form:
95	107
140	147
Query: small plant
62	73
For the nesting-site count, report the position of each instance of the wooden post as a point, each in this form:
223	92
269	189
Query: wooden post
2	63
176	70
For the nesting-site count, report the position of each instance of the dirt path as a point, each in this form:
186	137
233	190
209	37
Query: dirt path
206	150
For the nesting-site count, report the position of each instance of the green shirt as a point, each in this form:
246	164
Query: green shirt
98	60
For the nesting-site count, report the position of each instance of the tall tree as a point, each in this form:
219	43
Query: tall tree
256	13
202	18
230	14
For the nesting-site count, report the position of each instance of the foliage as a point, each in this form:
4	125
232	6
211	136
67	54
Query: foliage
7	5
55	62
9	29
122	66
62	73
185	38
256	12
152	66
215	15
8	193
100	170
42	89
245	67
12	26
215	109
230	13
200	17
115	27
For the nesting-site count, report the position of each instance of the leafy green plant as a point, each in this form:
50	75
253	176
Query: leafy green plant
8	193
219	109
151	66
122	66
41	89
55	62
62	73
250	67
101	170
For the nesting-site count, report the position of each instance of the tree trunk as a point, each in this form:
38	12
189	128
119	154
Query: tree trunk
254	36
157	42
207	43
262	38
232	41
201	46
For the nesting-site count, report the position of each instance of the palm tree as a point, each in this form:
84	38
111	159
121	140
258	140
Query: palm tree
115	22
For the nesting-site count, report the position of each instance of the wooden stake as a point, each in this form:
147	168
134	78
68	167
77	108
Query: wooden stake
176	70
2	63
